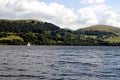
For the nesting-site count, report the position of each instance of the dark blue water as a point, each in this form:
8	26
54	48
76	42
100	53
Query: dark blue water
59	63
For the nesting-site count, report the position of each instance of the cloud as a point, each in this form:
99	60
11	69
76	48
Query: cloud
100	8
25	9
58	14
92	1
111	18
87	16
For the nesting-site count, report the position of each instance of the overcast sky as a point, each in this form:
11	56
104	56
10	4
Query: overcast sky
73	14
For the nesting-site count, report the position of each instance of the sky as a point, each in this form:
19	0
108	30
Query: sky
70	14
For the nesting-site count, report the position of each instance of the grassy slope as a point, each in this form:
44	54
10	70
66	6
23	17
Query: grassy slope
11	37
106	28
115	39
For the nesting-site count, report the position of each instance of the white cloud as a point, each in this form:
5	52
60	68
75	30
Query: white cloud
23	9
58	14
92	1
87	16
111	18
100	8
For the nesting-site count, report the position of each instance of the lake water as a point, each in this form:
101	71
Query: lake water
59	63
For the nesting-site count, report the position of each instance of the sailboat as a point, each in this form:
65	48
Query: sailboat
28	44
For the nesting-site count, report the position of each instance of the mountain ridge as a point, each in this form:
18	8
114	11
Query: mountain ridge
107	28
99	29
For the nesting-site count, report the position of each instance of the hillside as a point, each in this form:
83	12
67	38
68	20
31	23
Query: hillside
99	30
103	28
20	32
34	31
26	26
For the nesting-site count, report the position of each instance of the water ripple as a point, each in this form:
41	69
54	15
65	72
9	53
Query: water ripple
59	63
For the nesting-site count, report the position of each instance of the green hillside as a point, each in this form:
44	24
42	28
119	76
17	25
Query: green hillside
20	32
103	28
115	39
26	26
99	30
34	31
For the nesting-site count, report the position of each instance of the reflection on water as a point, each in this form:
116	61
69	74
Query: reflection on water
59	63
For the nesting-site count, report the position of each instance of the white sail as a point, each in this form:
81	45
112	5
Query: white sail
28	44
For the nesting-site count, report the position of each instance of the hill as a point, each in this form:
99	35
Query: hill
20	32
34	31
26	26
99	30
103	28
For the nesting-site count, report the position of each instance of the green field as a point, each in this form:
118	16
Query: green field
113	39
12	37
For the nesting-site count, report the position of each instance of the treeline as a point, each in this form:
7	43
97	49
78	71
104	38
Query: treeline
94	33
26	26
57	39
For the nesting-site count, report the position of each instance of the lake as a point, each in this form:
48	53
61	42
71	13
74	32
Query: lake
59	63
